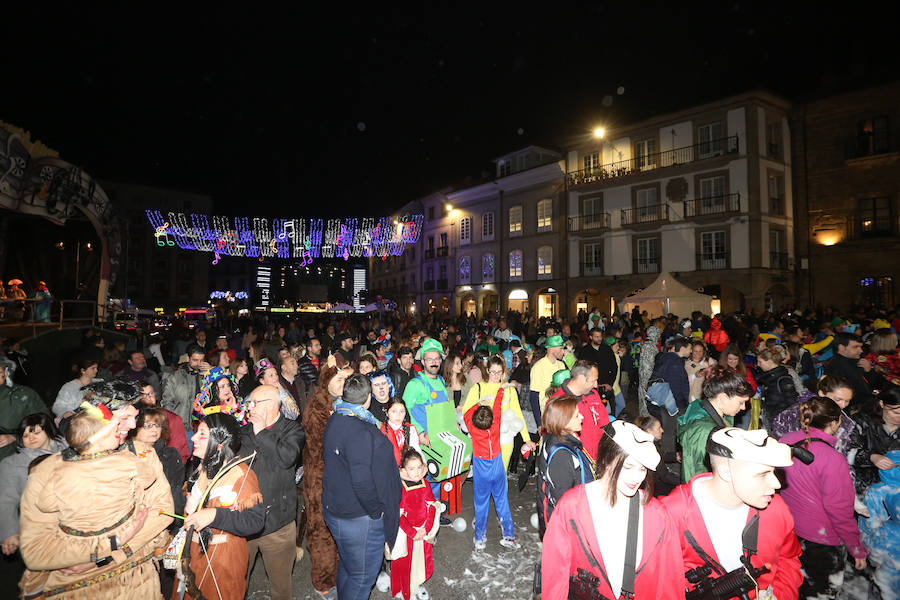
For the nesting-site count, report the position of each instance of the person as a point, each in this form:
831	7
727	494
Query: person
150	438
323	553
224	506
137	371
36	437
419	511
716	337
308	366
43	300
732	357
401	433
664	480
881	530
724	394
733	519
828	386
455	379
16	403
586	539
367	363
510	413
267	374
92	516
698	361
601	355
345	346
820	497
361	490
542	374
582	384
239	370
669	391
426	388
883	355
877	433
219	394
277	443
562	462
17	294
778	389
70	395
401	369
847	363
291	382
182	385
649	351
382	392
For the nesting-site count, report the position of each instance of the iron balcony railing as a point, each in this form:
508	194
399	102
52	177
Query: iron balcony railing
429	252
588	222
442	284
713	205
712	261
656	160
646	264
778	260
442	251
645	214
590	269
429	286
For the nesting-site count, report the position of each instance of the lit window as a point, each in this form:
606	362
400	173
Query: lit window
545	262
515	221
487	268
465	231
465	270
545	214
487	226
515	264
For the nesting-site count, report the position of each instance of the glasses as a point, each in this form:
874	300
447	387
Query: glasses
252	403
148	394
493	372
151	426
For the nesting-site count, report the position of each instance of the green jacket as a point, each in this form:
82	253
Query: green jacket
693	430
16	403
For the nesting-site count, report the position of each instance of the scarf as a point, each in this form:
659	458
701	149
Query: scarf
354	410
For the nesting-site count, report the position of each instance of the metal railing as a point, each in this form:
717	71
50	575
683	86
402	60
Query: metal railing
61	313
429	286
778	260
591	269
645	214
656	160
712	261
442	284
442	250
429	252
646	265
713	205
587	222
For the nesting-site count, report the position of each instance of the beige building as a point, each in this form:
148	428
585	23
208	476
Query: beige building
398	278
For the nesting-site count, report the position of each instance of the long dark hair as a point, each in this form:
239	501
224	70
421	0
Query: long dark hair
42	420
818	412
224	442
214	391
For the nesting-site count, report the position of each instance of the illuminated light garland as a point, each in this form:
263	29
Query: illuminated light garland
228	295
306	239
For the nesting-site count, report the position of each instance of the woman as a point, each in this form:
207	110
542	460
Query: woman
876	435
828	386
218	393
733	359
36	436
220	358
695	365
248	338
240	372
267	374
218	553
382	393
884	356
367	364
778	389
70	395
820	496
322	550
151	436
562	463
454	378
256	352
586	539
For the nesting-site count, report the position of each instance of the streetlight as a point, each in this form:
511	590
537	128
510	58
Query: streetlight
599	132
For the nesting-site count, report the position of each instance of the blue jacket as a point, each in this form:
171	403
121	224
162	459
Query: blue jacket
670	368
361	476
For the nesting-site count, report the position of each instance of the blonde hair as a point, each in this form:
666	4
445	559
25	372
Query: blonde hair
883	341
84	430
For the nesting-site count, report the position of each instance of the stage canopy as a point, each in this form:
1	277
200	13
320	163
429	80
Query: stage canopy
666	295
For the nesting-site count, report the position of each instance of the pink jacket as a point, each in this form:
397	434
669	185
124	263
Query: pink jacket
820	495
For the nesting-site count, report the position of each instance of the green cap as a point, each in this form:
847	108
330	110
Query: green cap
560	377
554	341
609	340
432	345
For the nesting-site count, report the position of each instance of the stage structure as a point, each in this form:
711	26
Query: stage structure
303	238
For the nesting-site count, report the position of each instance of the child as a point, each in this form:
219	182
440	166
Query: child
413	563
489	476
398	429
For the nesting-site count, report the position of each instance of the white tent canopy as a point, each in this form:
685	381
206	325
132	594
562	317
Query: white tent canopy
666	295
341	307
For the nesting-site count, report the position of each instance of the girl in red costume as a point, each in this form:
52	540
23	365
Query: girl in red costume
398	429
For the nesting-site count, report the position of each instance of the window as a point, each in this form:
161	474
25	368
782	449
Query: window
545	214
429	274
777	249
776	194
878	291
504	168
429	243
773	139
465	270
431	213
713	250
515	264
645	154
515	221
592	160
487	226
591	209
443	271
545	262
874	217
646	205
443	240
873	136
647	255
593	259
487	268
712	195
465	231
711	139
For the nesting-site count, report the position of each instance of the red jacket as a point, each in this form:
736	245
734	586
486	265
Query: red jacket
777	543
485	442
716	336
571	531
596	415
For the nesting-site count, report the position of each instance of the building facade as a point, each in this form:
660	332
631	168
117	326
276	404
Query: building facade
399	278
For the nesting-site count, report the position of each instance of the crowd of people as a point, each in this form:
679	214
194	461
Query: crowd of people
167	464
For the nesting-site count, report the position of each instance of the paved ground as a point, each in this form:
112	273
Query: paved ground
460	573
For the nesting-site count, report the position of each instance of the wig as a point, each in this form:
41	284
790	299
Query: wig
223	445
114	394
382	373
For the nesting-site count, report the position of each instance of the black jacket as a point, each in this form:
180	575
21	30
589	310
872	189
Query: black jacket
278	453
559	475
308	372
399	377
863	383
604	359
173	468
778	391
869	437
361	476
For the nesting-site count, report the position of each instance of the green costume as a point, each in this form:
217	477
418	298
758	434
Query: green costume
693	430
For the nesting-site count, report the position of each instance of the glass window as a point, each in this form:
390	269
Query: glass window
648	255
545	214
465	270
487	226
873	136
593	258
712	194
465	231
487	268
545	261
713	253
776	194
515	220
443	240
515	264
878	291
443	271
592	160
504	168
874	216
711	138
645	153
646	205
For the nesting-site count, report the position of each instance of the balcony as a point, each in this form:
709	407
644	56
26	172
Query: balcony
729	204
442	250
646	265
778	260
442	284
713	261
650	162
591	269
429	286
589	222
429	252
645	215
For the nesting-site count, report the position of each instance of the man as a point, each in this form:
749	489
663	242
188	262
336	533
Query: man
294	385
733	519
649	352
222	344
137	371
542	374
601	355
426	388
582	384
308	366
177	433
277	443
345	346
16	403
502	332
858	371
401	369
329	338
670	368
200	339
182	386
361	490
724	394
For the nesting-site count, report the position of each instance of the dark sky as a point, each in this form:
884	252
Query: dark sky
347	110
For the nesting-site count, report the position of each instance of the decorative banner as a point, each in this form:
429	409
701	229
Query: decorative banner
306	239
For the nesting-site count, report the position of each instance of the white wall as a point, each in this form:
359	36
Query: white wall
678	249
617	253
740	244
684	136
736	124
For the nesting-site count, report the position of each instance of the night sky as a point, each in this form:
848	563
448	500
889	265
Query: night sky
342	110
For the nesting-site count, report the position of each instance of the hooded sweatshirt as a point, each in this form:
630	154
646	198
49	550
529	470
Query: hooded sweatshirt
693	429
716	336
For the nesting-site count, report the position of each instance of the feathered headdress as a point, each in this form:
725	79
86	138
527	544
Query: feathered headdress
203	402
115	394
